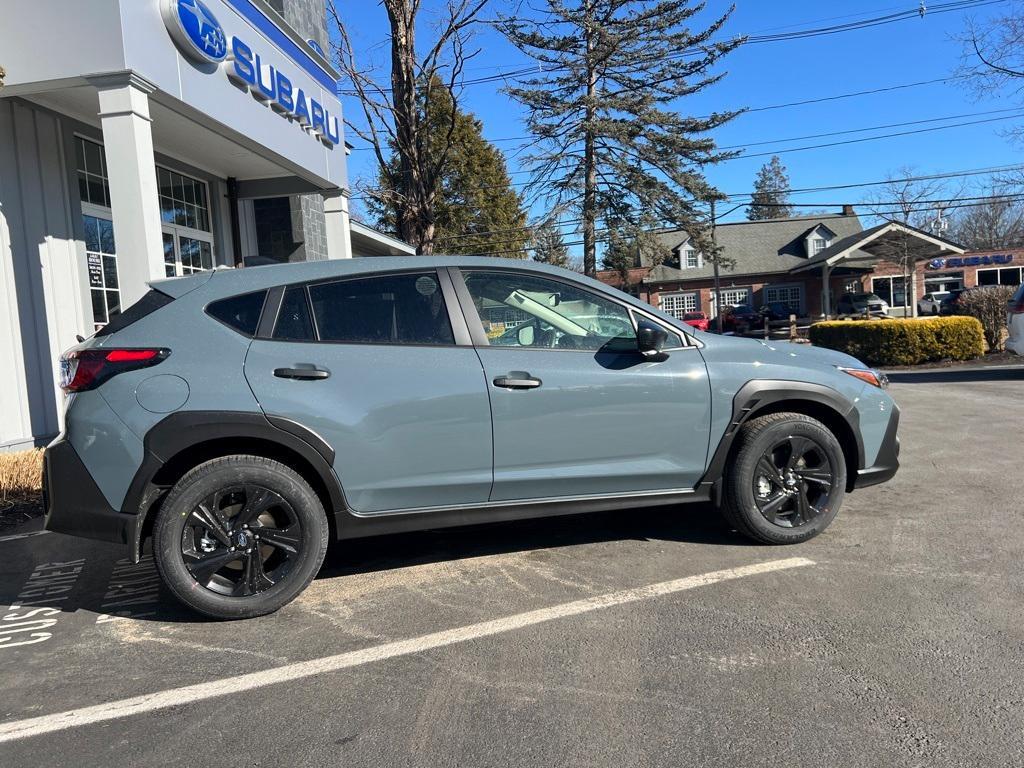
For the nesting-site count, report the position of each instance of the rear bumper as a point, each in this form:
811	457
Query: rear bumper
887	463
75	505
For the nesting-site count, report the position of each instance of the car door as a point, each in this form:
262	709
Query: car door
576	410
379	367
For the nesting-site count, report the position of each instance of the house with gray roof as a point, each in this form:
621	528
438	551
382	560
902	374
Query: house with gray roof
807	262
764	255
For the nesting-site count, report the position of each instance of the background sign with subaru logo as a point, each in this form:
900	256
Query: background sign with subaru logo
200	37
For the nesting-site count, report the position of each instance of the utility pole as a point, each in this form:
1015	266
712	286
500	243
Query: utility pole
714	263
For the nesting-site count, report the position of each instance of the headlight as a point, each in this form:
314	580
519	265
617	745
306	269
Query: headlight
874	378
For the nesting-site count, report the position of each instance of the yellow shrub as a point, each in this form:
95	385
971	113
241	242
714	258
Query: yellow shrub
21	474
903	342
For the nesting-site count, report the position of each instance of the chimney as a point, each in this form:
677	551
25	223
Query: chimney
848	210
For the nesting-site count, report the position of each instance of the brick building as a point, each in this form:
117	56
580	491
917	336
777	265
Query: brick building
792	260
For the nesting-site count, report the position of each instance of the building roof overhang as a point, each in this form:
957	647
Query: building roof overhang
891	240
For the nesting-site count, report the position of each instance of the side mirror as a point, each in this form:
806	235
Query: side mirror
650	338
524	335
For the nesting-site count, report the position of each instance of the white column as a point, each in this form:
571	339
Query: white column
131	170
339	236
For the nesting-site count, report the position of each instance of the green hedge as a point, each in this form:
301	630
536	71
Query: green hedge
903	342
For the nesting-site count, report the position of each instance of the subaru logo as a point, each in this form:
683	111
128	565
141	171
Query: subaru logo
195	29
936	264
243	540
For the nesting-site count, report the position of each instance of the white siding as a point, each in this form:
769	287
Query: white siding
42	272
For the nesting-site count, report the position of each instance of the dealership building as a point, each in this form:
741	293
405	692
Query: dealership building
808	263
142	139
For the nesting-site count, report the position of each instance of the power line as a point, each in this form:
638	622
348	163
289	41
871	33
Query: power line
785	150
756	39
601	235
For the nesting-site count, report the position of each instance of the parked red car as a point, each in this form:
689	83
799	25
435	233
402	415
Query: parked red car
698	320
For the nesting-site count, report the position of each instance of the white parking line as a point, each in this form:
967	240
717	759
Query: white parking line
36	726
17	536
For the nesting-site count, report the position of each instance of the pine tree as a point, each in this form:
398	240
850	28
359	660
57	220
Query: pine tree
771	193
476	209
548	244
611	140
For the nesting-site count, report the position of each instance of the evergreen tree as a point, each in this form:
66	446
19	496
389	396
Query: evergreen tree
771	193
611	139
476	209
548	244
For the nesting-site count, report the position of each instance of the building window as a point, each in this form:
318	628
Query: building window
818	244
91	164
100	255
678	304
1004	276
791	295
890	289
183	200
732	297
185	210
691	259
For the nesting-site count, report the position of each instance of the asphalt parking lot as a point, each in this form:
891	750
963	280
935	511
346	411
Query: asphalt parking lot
630	639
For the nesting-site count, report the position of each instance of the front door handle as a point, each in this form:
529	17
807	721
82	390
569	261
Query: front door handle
517	380
302	372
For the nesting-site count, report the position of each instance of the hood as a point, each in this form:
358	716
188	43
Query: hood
803	353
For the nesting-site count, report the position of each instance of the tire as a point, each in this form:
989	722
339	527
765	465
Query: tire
199	527
803	496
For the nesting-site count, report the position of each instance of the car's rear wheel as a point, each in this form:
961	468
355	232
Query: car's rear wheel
239	536
787	479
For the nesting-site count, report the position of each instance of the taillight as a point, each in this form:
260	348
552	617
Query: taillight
1017	308
88	368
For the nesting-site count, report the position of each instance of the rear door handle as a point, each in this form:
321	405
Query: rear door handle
302	372
517	380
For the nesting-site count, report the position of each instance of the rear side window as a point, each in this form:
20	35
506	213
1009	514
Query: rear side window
388	309
149	303
293	321
239	312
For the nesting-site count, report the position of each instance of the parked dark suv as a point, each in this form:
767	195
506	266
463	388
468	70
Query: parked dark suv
242	418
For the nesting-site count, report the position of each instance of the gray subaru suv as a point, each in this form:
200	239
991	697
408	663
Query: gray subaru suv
243	418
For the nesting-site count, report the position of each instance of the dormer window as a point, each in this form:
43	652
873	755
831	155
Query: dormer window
689	257
817	240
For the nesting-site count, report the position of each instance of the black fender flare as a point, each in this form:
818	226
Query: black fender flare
183	430
756	395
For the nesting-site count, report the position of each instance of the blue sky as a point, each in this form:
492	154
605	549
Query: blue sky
773	73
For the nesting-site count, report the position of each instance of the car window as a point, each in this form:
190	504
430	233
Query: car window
240	312
386	309
519	310
293	320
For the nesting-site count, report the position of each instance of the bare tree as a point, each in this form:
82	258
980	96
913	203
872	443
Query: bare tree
907	199
995	222
395	118
992	61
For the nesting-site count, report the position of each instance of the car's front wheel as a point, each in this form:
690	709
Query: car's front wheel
786	481
239	536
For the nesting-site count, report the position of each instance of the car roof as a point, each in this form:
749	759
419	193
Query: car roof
229	281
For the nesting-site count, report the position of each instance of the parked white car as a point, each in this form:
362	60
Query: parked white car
860	303
929	303
1015	322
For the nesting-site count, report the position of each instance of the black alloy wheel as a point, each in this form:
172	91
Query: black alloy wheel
242	540
239	536
786	479
794	482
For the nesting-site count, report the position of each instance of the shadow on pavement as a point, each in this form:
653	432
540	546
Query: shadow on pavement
954	376
70	575
698	524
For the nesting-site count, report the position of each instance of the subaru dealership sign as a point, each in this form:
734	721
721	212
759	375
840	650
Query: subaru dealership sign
970	261
201	38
